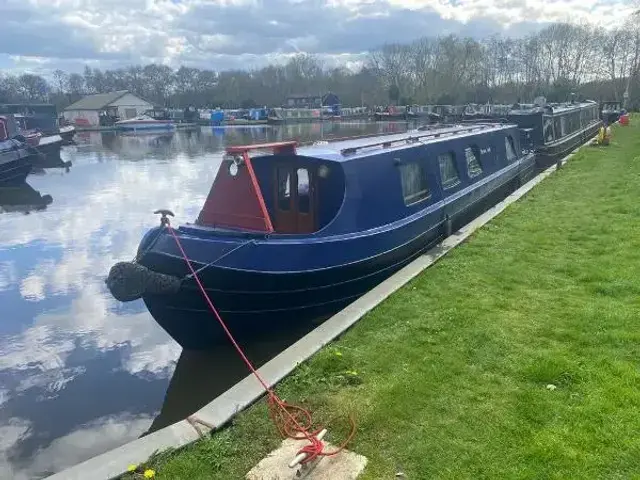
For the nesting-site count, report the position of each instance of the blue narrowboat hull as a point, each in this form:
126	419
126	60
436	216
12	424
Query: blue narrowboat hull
300	280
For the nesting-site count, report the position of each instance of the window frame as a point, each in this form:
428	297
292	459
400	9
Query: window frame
307	195
420	195
451	157
475	150
282	192
509	141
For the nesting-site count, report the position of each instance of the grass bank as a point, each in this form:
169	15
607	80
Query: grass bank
516	356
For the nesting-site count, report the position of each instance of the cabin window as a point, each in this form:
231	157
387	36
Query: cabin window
448	170
304	200
472	154
563	125
130	112
558	127
284	189
413	179
511	149
548	130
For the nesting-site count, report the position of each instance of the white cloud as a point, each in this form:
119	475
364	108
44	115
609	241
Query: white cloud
11	433
83	240
248	33
7	275
81	444
91	237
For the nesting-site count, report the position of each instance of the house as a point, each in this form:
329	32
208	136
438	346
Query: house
311	100
122	104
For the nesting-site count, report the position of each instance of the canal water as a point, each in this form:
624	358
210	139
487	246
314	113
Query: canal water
81	373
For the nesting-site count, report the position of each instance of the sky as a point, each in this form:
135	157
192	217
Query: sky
39	36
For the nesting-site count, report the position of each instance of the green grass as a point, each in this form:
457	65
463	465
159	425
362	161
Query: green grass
448	378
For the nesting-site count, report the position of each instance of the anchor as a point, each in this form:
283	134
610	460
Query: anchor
164	220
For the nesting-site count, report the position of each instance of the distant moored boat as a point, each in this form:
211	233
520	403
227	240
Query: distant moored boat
145	122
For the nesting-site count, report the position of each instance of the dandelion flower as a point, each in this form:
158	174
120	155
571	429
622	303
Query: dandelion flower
149	473
132	468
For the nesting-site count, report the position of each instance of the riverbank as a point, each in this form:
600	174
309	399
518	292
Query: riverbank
515	356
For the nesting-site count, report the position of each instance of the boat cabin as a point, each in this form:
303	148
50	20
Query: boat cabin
158	113
346	186
610	112
554	122
9	128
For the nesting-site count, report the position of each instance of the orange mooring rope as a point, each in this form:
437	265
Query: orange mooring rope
292	421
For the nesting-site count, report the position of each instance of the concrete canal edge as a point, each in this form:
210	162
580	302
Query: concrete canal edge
222	409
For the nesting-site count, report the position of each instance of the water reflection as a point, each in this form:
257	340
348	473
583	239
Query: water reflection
22	198
79	372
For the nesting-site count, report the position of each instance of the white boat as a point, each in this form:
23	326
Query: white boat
145	122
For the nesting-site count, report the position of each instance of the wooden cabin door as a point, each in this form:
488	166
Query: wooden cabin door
295	200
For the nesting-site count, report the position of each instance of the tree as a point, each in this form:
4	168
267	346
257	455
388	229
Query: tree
33	86
76	84
61	81
394	93
593	62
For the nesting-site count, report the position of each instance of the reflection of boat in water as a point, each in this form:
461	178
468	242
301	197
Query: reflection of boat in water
291	235
223	368
23	198
136	145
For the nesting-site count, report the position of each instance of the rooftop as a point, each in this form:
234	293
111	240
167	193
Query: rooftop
350	149
97	101
557	107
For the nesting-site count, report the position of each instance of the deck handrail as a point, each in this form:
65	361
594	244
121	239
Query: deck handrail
417	138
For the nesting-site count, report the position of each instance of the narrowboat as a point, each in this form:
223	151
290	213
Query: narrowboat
554	130
290	235
279	116
16	157
423	112
49	145
354	113
485	112
67	132
392	113
41	117
610	112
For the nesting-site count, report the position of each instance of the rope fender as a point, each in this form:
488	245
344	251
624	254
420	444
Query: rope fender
128	281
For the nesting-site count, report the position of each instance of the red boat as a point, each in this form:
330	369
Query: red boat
32	136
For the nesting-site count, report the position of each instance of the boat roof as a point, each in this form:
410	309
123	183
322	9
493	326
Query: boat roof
360	147
526	109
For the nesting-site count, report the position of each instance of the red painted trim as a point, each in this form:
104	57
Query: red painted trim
256	186
277	147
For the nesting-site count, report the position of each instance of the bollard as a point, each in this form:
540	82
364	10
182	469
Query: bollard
302	456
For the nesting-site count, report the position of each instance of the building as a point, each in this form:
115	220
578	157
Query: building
121	104
311	101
